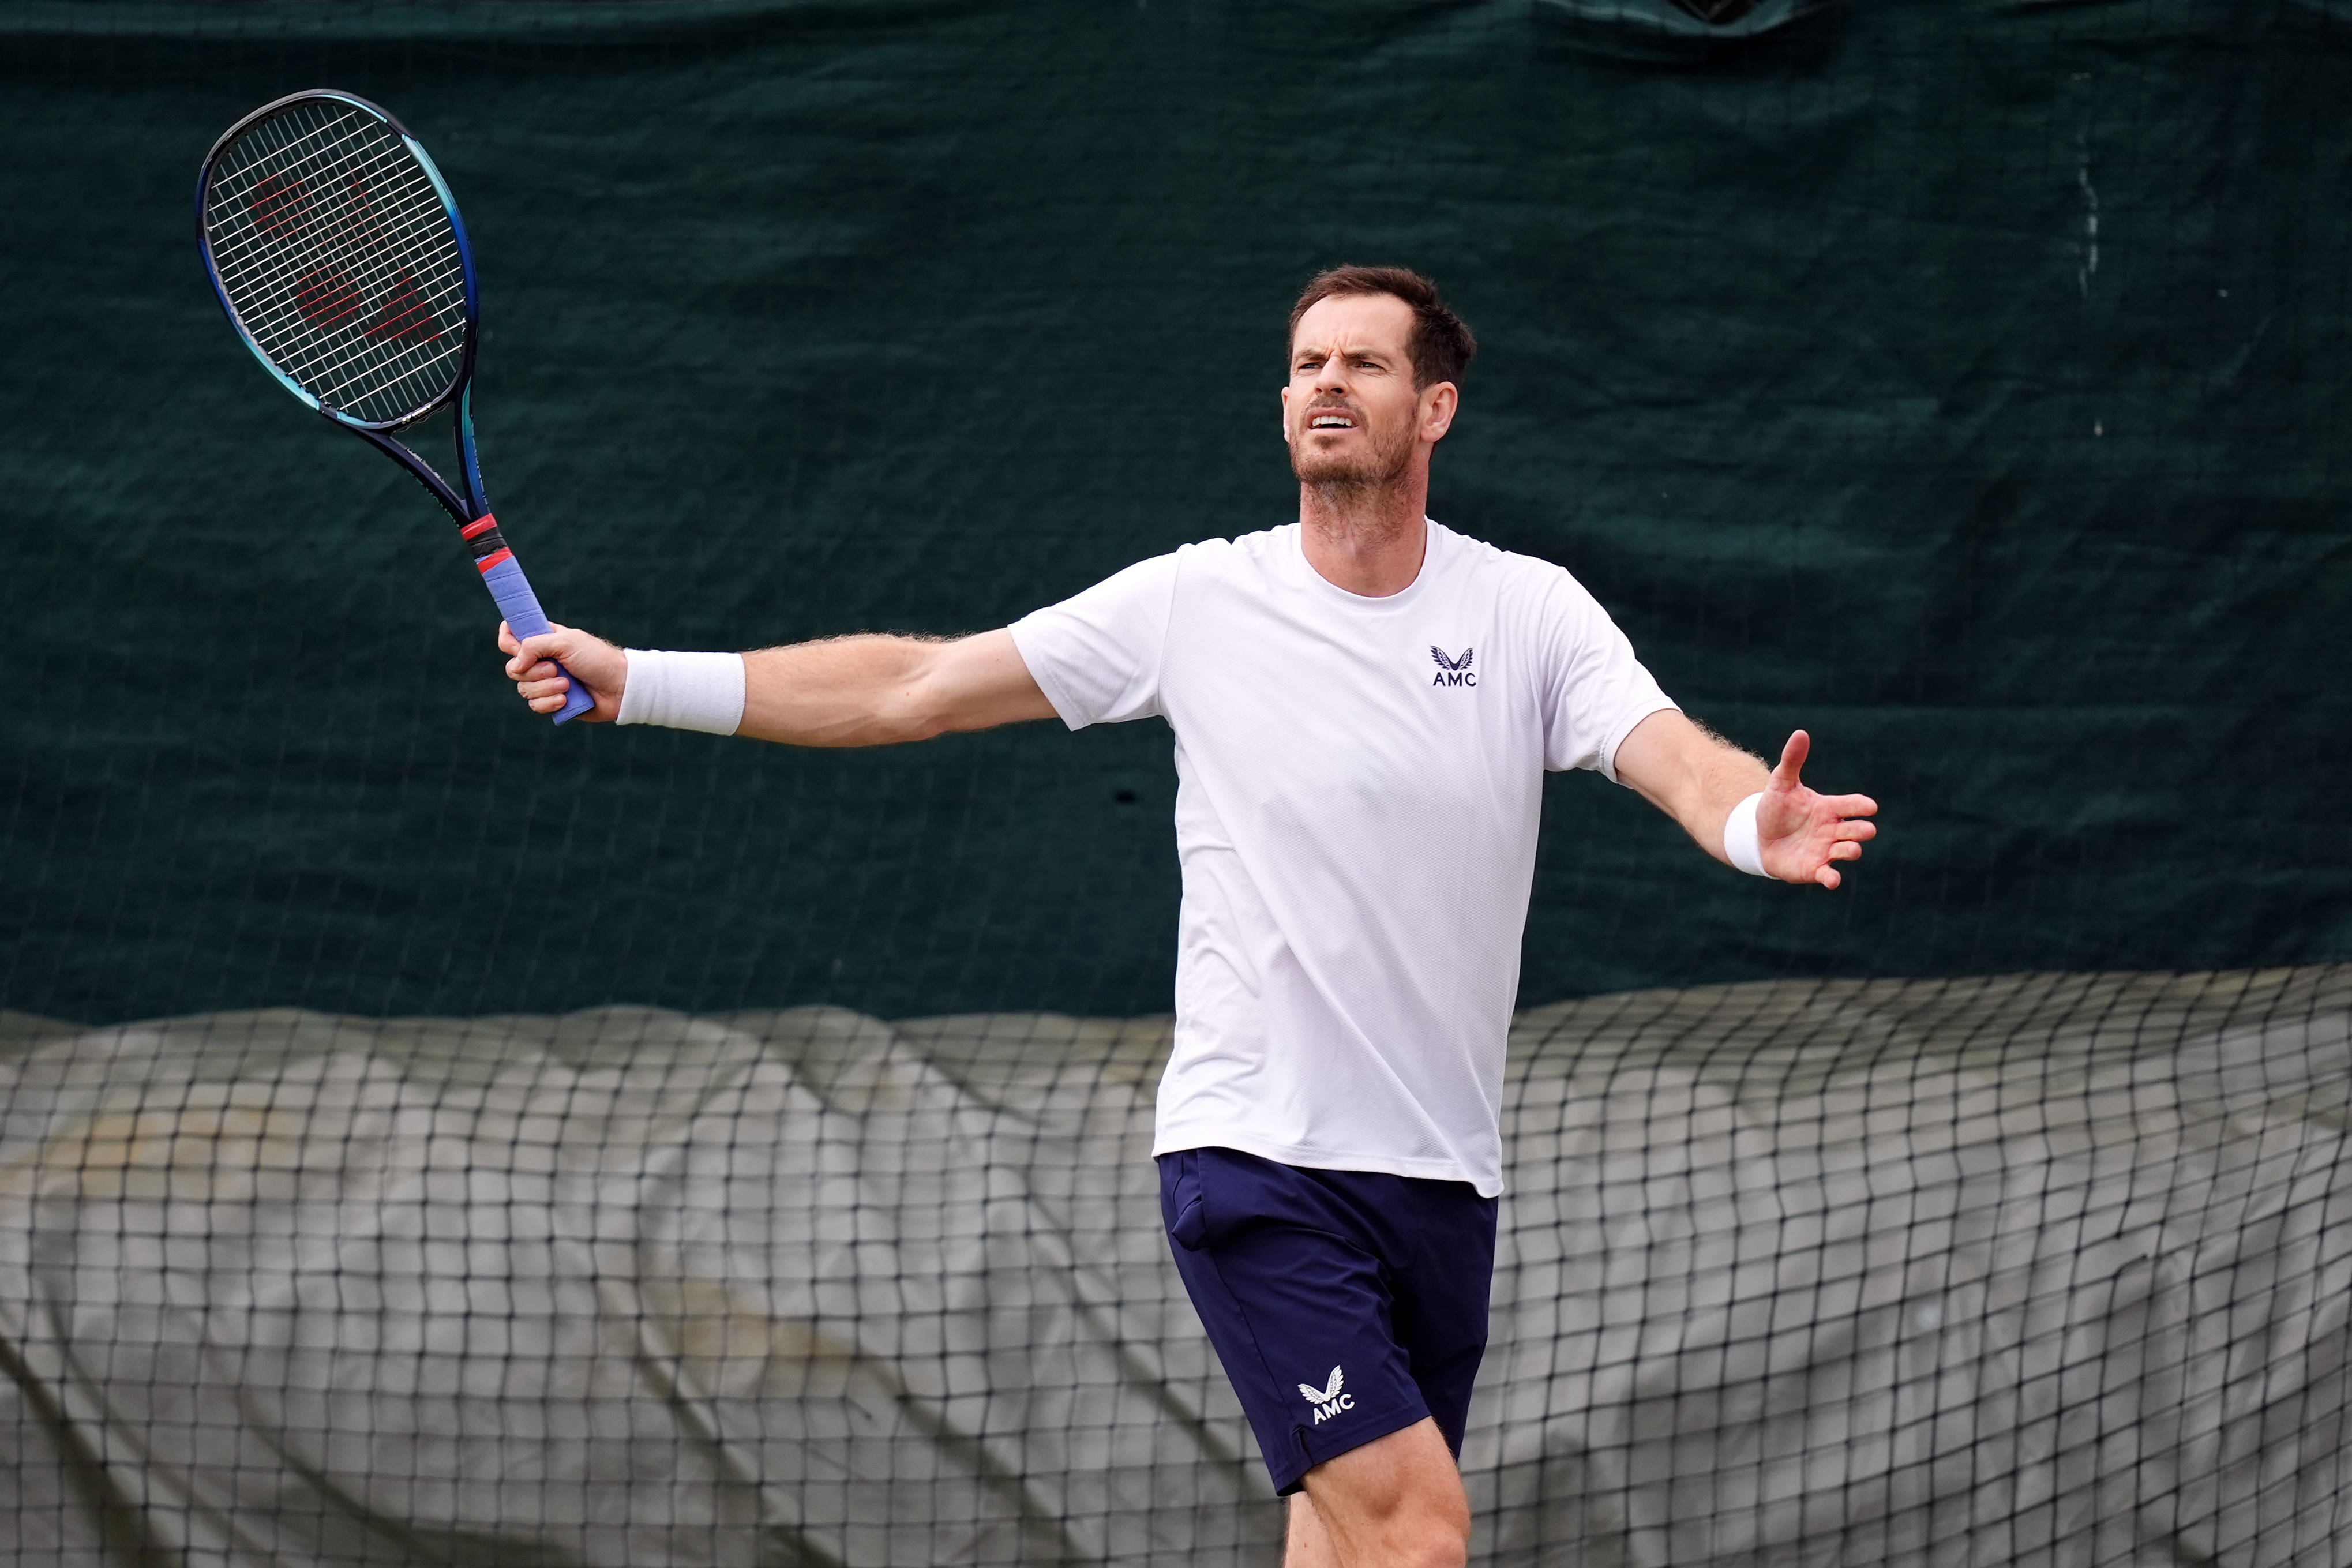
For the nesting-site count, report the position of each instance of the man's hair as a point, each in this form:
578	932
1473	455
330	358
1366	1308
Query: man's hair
1441	346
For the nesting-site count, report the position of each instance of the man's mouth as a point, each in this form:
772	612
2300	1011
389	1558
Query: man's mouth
1330	419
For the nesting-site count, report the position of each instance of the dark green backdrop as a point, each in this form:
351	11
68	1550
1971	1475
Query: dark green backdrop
1961	380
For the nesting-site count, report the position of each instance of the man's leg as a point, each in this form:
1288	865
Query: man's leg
1304	1542
1396	1502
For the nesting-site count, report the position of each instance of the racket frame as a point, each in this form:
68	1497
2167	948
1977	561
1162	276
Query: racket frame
469	507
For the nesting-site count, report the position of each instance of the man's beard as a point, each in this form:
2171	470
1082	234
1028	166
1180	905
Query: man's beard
1378	464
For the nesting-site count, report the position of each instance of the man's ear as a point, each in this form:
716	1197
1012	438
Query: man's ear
1438	406
1285	416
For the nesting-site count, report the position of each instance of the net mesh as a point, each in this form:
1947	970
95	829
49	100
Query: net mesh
2050	1269
427	1137
337	256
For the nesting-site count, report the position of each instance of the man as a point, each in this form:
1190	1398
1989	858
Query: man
1364	704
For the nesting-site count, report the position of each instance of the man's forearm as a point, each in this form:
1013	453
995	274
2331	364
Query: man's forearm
875	690
865	690
1721	777
1690	774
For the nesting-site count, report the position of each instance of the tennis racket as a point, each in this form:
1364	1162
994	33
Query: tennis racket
336	249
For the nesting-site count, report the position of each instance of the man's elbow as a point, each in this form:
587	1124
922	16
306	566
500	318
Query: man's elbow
917	708
961	686
927	724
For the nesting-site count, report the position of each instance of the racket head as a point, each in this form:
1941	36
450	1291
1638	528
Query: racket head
336	249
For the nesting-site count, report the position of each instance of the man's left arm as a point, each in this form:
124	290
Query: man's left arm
1698	779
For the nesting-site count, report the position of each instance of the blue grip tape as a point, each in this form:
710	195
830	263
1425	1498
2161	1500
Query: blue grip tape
521	608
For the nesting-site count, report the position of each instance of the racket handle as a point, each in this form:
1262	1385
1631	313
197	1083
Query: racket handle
512	589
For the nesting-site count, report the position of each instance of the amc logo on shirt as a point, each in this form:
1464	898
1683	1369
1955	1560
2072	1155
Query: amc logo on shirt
1455	671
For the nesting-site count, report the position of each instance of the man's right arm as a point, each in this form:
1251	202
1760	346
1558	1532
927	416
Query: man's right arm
867	691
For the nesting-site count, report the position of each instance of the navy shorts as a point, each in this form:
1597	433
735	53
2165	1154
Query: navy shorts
1346	1305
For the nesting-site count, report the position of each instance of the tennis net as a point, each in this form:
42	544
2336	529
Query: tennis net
2050	1269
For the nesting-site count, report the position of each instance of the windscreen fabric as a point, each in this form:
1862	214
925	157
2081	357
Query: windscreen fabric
1964	382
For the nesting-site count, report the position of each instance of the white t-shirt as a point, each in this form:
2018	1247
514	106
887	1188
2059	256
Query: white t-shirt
1360	782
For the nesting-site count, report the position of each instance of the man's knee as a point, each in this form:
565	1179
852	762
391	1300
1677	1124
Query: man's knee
1434	1539
1407	1532
1417	1532
1397	1502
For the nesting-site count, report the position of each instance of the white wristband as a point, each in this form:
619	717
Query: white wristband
683	690
1741	844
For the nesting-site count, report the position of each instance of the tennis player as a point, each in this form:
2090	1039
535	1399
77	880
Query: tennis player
1364	703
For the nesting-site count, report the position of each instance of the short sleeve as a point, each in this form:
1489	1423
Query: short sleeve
1595	691
1096	655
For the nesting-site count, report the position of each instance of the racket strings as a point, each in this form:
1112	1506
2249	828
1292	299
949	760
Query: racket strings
333	300
348	313
276	197
325	234
358	357
336	252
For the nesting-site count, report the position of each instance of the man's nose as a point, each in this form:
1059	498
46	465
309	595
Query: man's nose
1332	374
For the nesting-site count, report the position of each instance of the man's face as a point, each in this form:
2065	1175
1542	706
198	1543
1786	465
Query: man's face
1350	413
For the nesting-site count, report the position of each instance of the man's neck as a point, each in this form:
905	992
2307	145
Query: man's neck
1367	540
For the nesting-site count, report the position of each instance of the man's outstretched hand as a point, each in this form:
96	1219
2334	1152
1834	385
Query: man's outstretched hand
596	664
1803	833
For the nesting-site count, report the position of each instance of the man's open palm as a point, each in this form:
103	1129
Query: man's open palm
1803	833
